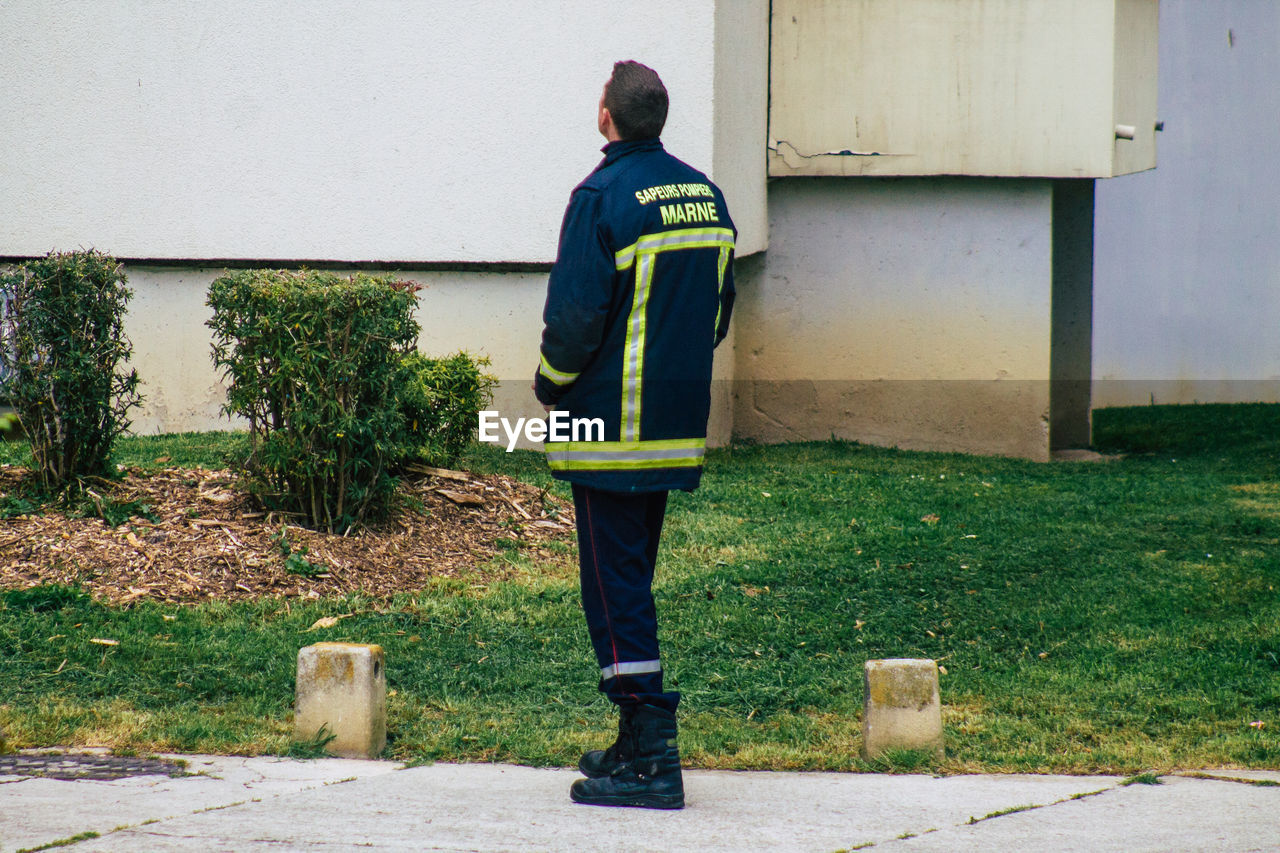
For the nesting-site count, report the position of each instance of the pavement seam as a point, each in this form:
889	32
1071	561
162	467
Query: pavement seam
341	781
1240	780
866	845
131	827
1033	806
137	831
138	827
135	827
70	840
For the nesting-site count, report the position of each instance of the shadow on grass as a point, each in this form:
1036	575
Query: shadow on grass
1192	429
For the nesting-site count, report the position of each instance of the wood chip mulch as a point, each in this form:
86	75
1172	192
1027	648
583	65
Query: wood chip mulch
211	541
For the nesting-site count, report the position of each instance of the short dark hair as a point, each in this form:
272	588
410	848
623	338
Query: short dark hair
636	100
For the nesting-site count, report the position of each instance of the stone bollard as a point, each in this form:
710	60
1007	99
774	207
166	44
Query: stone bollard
342	687
901	709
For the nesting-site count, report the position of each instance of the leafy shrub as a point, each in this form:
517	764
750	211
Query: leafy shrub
312	361
441	399
61	361
10	427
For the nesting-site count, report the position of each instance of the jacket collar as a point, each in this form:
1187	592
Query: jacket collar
616	150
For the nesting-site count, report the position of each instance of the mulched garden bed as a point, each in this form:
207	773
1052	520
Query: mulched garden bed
209	539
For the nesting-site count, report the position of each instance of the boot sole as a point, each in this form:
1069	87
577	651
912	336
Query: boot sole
643	801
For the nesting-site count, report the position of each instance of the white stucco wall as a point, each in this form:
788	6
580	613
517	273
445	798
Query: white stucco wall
742	115
495	315
171	350
912	312
1187	263
349	130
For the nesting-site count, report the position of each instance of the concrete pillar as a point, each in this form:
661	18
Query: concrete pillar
342	687
1071	332
901	709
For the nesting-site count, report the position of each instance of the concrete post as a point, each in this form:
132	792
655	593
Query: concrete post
902	708
342	687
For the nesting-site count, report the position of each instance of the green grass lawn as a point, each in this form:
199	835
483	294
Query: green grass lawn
1115	617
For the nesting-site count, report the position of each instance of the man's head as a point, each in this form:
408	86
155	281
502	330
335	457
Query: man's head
634	104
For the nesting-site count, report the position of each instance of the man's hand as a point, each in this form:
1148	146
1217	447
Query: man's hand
533	386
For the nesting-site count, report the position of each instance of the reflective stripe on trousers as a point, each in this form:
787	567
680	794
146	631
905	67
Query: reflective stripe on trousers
633	668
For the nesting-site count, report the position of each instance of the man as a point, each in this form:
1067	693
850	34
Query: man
639	296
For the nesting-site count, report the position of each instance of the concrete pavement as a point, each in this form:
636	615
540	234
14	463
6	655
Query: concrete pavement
228	803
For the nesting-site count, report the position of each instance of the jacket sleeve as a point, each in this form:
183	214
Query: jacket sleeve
727	294
579	293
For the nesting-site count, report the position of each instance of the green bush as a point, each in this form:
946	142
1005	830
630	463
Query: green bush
10	426
313	361
441	399
65	344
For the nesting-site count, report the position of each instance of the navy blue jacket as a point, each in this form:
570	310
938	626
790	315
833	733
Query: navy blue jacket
639	296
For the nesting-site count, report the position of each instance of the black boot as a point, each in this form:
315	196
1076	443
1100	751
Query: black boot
602	762
651	778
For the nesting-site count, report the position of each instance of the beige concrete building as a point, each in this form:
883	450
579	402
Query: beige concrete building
913	181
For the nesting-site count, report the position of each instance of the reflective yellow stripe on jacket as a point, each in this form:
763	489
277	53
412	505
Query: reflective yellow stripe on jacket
641	255
559	377
625	455
684	238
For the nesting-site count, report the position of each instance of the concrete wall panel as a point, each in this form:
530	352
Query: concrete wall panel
1015	88
1187	267
913	312
342	129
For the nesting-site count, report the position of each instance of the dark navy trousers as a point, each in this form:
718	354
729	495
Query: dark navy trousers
618	548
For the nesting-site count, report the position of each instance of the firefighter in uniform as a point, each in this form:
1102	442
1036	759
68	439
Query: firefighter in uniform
639	296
